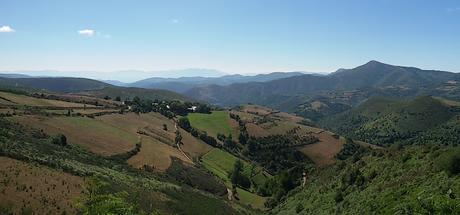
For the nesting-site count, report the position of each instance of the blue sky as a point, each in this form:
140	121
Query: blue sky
234	36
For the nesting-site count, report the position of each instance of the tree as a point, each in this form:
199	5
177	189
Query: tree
59	139
252	146
243	137
117	98
184	123
237	177
165	127
178	139
221	137
229	143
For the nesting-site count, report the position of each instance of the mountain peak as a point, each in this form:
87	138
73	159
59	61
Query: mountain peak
374	62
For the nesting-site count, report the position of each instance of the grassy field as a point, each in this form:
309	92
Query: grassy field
251	199
117	133
220	163
92	134
31	101
156	155
152	124
214	123
132	122
27	187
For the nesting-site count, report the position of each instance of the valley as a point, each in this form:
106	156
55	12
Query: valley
148	151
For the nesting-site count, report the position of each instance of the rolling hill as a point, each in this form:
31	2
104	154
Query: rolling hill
62	85
371	79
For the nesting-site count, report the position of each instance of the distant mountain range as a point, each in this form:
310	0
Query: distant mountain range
85	86
123	76
310	95
350	86
187	83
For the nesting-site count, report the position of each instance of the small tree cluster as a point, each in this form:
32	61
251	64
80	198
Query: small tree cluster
59	139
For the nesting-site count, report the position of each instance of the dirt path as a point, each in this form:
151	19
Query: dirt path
178	145
230	194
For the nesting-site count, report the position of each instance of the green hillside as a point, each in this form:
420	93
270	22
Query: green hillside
371	79
417	180
386	121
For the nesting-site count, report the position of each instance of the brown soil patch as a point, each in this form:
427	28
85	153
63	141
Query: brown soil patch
27	187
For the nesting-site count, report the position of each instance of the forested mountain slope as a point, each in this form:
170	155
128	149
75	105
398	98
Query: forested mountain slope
371	79
387	121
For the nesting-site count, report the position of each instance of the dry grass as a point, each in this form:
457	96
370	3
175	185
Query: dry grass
192	146
156	155
247	117
26	187
92	134
258	110
279	127
255	130
31	101
132	122
323	152
287	117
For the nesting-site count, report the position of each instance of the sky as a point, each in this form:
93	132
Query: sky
232	36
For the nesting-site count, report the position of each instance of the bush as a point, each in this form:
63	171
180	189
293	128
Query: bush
338	196
237	177
450	162
299	208
59	139
184	123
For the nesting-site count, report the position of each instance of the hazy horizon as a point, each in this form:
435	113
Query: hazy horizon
235	37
